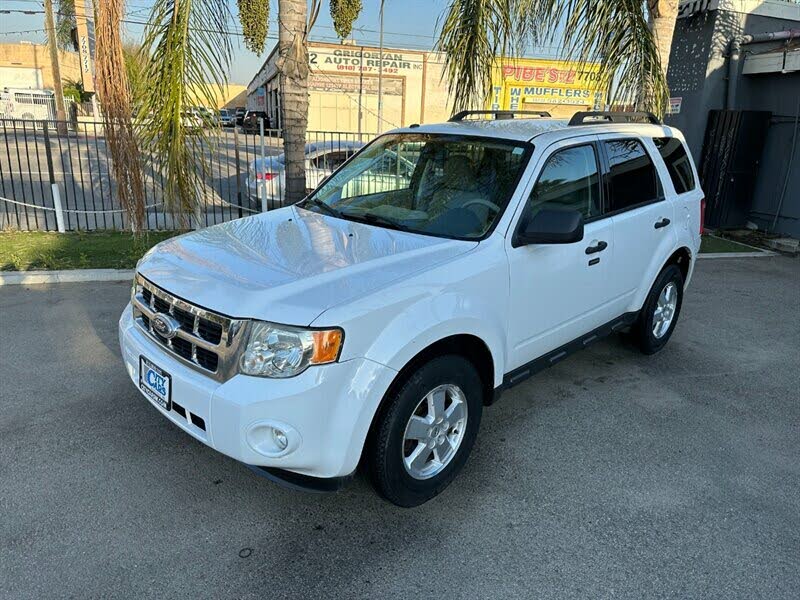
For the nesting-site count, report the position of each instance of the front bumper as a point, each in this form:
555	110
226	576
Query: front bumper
326	410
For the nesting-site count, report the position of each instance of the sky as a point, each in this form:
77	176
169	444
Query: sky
407	24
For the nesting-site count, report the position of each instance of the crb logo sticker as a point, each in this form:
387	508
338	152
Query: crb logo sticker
165	326
156	381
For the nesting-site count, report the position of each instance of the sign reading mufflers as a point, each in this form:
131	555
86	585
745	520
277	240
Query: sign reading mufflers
357	60
524	84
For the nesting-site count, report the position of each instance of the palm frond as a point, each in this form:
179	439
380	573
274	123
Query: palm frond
616	34
188	58
65	21
473	34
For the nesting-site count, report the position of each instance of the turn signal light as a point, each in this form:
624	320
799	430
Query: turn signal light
326	346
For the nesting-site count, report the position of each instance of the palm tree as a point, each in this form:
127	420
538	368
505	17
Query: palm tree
631	44
188	43
662	15
114	92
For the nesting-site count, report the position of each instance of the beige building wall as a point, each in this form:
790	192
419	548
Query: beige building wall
435	101
229	96
343	88
21	62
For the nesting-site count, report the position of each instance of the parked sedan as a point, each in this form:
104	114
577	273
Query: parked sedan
322	158
240	112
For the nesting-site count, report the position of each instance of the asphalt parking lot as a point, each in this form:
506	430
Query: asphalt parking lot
610	475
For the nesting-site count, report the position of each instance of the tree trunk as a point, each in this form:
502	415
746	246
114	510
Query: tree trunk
293	68
662	16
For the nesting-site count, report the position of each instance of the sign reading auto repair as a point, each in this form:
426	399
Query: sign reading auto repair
529	83
353	59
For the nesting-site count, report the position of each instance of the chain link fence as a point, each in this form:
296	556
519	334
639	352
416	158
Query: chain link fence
59	176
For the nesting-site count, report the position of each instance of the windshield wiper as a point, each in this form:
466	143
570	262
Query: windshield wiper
376	219
325	208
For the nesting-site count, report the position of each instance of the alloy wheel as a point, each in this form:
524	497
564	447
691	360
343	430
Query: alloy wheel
665	309
435	431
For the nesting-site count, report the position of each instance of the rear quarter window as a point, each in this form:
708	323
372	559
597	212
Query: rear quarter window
678	163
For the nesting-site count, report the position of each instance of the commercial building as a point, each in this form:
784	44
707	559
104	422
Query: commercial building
27	65
343	88
734	78
344	83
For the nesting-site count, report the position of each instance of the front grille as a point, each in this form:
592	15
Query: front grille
207	330
206	340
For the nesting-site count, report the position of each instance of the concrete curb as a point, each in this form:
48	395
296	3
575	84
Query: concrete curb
737	254
68	276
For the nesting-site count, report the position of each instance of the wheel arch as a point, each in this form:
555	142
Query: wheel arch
468	345
682	257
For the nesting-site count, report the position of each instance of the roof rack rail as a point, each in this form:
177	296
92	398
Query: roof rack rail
599	117
498	114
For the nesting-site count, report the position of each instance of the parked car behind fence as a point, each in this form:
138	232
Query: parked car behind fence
250	122
322	158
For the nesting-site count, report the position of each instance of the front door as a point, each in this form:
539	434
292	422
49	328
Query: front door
561	291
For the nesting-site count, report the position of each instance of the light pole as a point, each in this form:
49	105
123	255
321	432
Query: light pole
49	23
380	74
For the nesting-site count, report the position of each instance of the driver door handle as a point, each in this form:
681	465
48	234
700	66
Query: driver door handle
662	223
598	248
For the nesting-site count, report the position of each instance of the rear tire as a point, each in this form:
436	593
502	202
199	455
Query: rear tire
660	312
425	431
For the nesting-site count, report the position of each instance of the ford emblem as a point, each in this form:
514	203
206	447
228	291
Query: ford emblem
165	326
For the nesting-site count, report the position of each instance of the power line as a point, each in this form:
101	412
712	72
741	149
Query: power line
23	31
323	39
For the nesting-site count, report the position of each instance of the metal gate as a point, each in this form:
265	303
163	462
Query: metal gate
731	155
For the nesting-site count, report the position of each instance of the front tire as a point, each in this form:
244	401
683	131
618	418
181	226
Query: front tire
424	433
660	312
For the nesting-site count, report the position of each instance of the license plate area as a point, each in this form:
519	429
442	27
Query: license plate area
155	382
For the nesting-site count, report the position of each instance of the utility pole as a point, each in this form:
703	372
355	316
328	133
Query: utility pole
50	26
380	75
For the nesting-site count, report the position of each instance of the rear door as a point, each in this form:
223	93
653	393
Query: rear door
642	216
688	197
561	291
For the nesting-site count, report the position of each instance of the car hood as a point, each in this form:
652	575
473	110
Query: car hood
289	265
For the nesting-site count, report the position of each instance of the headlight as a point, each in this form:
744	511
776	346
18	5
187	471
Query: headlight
285	351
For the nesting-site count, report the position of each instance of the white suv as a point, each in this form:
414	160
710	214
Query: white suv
370	324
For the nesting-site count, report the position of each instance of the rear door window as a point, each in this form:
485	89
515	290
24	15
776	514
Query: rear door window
632	175
678	163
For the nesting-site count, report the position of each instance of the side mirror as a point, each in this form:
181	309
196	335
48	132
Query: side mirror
550	226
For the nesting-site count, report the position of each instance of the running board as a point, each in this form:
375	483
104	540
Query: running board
520	374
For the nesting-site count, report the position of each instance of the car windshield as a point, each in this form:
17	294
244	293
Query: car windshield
444	185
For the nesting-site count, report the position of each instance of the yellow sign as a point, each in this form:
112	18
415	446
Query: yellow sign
560	87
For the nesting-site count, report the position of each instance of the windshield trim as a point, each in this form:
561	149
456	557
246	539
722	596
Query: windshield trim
527	147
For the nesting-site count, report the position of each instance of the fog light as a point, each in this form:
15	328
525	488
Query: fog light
280	439
273	438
